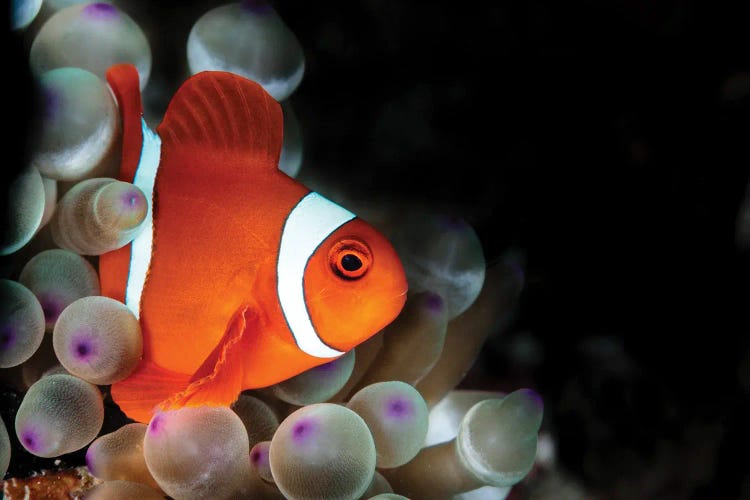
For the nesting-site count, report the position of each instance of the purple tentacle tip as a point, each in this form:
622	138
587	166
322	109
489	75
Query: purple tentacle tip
259	455
326	368
30	440
398	408
83	346
533	397
131	200
100	10
451	222
434	302
51	306
7	338
83	350
256	6
156	424
302	430
518	271
90	460
52	101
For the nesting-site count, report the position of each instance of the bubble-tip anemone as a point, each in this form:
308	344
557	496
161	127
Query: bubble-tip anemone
497	437
495	446
98	339
250	39
21	323
443	254
259	419
4	449
260	462
78	124
322	451
59	414
197	452
99	215
122	490
23	215
65	40
396	415
317	384
58	277
412	343
119	456
467	333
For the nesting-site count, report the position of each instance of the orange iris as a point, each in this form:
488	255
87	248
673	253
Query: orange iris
350	259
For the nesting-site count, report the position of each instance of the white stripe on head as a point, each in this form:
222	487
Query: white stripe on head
140	250
309	223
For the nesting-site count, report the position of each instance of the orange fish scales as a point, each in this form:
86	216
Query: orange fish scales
243	277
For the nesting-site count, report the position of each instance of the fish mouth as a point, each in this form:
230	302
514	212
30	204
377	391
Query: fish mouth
399	300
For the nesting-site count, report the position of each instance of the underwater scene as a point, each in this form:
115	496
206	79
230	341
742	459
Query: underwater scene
375	250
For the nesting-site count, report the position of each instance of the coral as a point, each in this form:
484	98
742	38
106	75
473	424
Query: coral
50	485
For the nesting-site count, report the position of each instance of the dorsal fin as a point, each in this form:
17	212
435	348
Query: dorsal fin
123	80
216	111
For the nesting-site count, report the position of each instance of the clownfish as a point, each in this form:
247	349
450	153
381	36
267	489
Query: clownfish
242	277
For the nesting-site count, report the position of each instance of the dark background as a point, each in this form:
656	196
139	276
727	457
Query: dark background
605	140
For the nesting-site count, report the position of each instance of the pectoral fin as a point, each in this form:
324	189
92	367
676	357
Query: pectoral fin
140	393
218	381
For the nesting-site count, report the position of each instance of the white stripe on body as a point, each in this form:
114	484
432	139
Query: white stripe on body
140	251
309	223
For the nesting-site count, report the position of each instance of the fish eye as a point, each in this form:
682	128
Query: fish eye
350	259
350	262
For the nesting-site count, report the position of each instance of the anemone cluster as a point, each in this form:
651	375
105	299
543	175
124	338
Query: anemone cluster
382	421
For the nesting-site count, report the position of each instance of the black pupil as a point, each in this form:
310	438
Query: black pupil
350	262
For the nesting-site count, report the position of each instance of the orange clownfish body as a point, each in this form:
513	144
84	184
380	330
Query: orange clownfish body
242	277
